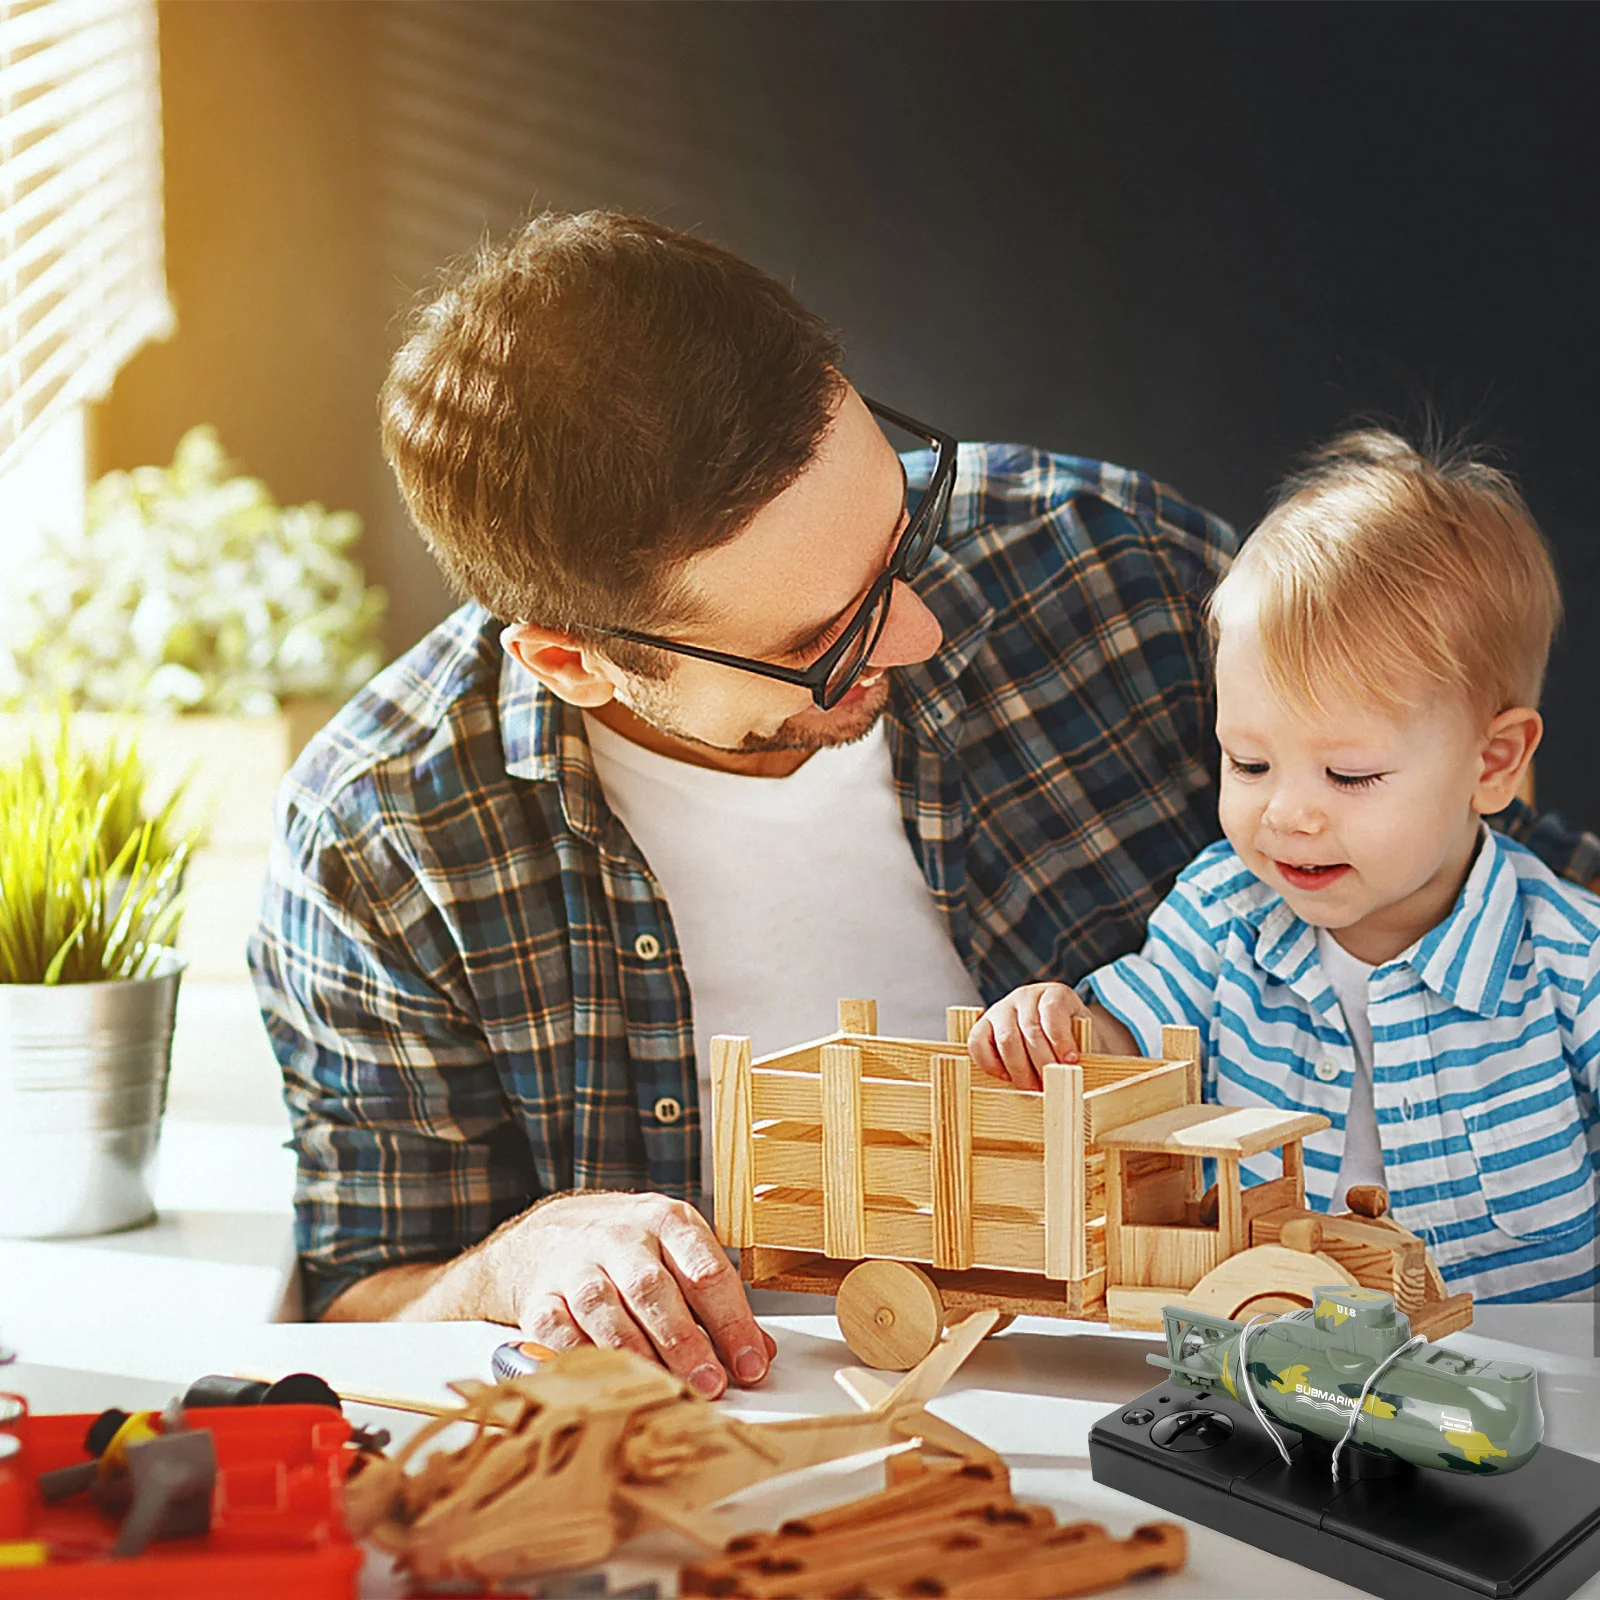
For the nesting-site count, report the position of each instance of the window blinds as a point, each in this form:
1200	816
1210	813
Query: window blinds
82	284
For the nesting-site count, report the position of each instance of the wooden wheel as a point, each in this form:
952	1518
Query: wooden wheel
1006	1319
1274	1303
890	1314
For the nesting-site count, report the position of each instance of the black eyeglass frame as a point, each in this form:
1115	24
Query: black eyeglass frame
905	561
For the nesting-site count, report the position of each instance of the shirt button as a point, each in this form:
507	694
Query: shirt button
647	947
1327	1069
668	1109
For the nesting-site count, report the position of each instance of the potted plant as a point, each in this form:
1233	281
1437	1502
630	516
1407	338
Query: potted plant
89	902
230	625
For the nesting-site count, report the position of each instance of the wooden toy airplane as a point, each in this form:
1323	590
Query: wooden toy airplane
600	1445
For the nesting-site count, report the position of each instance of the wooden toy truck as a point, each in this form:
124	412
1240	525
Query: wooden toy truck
876	1170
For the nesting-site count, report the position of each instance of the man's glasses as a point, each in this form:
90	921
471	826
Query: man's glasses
834	673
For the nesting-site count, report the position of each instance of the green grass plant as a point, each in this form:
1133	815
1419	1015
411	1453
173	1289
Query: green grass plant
90	886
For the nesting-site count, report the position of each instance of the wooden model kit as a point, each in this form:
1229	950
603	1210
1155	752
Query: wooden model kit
599	1446
877	1170
947	1528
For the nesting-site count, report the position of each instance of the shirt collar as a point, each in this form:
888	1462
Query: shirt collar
544	740
927	695
1465	960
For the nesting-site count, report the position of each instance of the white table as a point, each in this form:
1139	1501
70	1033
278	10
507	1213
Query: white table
1033	1393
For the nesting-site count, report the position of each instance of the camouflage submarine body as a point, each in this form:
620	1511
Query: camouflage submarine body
1432	1406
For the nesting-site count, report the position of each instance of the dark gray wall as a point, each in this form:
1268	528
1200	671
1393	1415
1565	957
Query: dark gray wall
1189	238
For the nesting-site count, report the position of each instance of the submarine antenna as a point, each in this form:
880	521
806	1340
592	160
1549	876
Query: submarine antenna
1249	1387
1366	1389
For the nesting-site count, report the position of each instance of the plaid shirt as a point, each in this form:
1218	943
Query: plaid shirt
470	976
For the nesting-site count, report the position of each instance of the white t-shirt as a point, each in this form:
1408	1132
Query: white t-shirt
788	894
1362	1161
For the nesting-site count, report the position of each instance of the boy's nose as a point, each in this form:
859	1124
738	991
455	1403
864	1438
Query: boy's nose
1291	813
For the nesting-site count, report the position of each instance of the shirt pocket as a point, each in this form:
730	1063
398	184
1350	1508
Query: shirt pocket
1534	1168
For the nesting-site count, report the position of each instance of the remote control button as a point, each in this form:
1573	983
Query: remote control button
1192	1430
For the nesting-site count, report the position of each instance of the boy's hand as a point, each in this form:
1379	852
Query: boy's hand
1030	1027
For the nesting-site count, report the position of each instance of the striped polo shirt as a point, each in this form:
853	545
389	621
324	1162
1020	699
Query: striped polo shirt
1486	1054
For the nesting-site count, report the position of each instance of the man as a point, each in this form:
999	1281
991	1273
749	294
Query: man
743	715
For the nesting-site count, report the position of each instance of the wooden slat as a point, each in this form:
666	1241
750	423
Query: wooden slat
906	1059
1083	1035
959	1021
952	1161
900	1235
733	1174
1065	1189
1015	1183
1113	1216
858	1016
896	1107
801	1058
1141	1096
999	1182
789	1096
844	1180
1294	1168
1231	1237
1015	1246
1008	1116
787	1224
1183	1044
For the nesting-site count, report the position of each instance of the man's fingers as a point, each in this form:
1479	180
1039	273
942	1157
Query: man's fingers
545	1319
598	1310
655	1300
714	1292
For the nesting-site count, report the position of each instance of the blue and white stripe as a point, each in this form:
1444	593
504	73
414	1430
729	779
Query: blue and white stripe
1486	1041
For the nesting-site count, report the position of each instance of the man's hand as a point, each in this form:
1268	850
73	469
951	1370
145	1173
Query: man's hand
1029	1028
635	1272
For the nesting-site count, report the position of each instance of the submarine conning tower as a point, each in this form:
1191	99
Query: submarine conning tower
1362	1321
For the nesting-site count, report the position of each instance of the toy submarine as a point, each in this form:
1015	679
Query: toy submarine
1432	1406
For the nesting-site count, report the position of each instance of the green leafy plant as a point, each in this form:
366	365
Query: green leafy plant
89	885
190	589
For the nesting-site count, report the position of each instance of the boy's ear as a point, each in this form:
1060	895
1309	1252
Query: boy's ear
574	672
1507	750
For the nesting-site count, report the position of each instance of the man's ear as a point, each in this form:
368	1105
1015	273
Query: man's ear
1507	750
574	672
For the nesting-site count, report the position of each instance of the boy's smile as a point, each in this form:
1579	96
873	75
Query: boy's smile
1312	877
1365	820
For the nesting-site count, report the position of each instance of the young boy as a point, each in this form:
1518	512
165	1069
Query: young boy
1361	944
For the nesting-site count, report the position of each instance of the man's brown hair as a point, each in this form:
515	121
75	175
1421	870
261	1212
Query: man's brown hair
589	403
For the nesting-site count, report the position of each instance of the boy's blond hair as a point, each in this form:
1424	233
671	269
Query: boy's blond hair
1398	573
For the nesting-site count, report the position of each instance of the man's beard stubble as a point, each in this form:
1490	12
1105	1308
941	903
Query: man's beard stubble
806	730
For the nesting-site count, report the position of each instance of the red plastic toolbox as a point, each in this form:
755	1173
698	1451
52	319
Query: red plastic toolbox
277	1521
